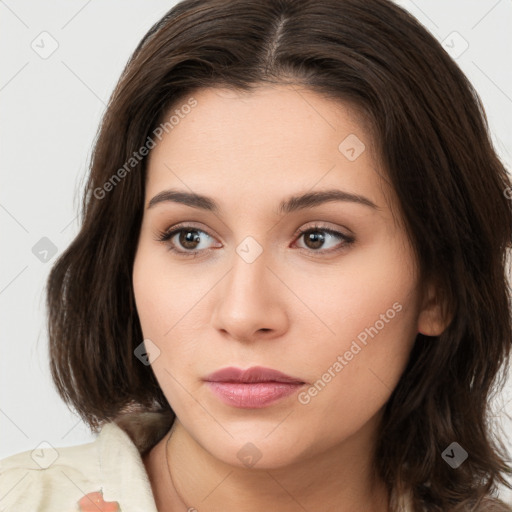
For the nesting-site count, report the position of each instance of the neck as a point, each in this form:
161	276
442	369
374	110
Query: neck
341	479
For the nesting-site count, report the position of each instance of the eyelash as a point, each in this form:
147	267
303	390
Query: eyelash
166	236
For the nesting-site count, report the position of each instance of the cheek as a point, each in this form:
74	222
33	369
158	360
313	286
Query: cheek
348	298
154	293
371	310
170	300
352	382
162	304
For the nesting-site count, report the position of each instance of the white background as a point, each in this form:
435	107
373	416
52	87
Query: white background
50	111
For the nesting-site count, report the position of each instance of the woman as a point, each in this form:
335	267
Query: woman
288	291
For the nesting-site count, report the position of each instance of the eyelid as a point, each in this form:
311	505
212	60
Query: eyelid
318	225
346	239
182	226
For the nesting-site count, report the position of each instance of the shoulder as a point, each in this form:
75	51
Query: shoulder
62	478
47	478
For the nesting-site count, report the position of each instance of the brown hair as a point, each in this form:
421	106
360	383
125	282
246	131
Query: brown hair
433	140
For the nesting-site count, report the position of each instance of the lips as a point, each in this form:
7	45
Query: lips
251	375
253	388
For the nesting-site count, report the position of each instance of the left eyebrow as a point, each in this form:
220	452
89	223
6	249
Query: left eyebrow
312	199
294	203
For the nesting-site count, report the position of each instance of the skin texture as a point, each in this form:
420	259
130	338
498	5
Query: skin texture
296	308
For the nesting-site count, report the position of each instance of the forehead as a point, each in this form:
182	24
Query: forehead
273	139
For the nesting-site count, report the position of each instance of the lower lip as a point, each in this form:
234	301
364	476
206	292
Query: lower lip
252	395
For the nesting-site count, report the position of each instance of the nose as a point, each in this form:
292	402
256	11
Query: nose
250	301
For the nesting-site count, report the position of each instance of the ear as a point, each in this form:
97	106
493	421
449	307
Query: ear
433	317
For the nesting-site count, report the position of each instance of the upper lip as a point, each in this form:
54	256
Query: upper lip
253	374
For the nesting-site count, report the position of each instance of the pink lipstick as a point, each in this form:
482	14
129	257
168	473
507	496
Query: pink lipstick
253	388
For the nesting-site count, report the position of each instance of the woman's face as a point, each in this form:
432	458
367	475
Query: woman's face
336	308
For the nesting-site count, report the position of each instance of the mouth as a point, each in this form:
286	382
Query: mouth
253	388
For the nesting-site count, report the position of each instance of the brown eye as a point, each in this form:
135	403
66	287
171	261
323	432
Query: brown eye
317	237
189	239
186	240
314	239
